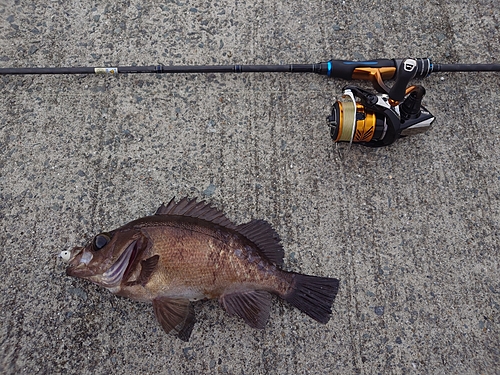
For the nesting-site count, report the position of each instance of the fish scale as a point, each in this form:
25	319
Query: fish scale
211	263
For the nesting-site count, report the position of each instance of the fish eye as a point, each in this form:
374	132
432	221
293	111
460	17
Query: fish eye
100	241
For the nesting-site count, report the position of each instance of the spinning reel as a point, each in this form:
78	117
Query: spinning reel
380	119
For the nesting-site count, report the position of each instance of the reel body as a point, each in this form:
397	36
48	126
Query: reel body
380	119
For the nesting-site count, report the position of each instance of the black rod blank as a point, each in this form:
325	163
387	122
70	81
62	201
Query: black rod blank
466	67
290	68
75	70
334	68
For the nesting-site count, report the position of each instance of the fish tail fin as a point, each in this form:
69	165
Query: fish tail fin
313	295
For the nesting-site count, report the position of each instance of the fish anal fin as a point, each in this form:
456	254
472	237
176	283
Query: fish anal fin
175	315
262	234
253	306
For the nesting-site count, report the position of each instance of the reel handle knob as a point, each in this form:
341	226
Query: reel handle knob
405	72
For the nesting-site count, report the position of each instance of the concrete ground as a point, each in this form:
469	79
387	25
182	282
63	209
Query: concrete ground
412	230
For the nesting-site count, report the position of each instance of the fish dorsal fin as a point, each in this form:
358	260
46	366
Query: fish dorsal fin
175	315
262	234
253	306
199	210
259	232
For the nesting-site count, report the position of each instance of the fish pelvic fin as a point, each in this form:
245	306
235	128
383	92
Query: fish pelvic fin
313	295
262	234
175	315
253	306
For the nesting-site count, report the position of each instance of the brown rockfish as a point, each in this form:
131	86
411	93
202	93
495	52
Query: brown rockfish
189	251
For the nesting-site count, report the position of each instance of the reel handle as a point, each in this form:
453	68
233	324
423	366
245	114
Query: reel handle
406	71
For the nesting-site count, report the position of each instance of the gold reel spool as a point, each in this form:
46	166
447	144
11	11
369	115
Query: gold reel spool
355	124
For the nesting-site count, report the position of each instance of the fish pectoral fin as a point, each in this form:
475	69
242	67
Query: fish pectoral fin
175	315
148	266
253	306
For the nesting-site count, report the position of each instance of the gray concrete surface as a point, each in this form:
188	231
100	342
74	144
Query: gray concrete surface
412	230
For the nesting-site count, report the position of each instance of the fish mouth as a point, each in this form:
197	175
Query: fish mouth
72	257
114	275
78	261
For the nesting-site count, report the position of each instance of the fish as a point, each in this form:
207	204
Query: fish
189	251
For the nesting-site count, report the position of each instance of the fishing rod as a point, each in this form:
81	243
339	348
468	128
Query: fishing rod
359	116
